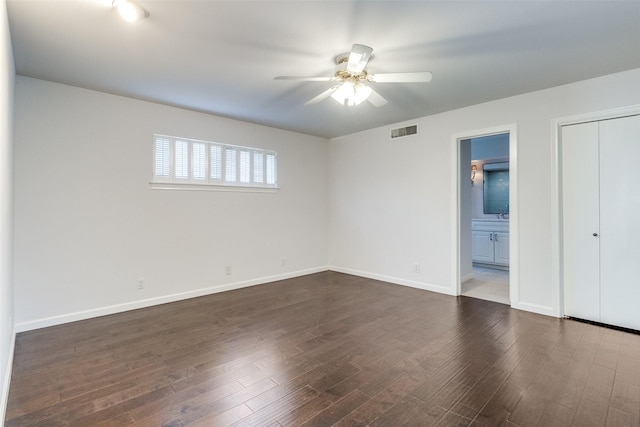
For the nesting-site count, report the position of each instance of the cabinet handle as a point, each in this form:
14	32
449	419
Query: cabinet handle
495	236
595	234
491	236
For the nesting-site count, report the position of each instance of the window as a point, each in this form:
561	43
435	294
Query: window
180	161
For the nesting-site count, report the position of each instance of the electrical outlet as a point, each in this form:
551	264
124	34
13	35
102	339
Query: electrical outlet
227	270
416	268
282	262
141	283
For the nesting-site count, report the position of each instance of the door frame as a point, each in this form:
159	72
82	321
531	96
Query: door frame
556	188
514	261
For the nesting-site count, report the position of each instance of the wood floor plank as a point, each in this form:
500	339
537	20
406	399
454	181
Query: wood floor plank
408	410
338	410
451	419
271	412
616	417
225	418
625	395
325	349
499	407
379	403
594	404
202	406
557	415
478	396
306	411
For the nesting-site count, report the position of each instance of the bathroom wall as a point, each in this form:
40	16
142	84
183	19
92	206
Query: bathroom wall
477	188
487	149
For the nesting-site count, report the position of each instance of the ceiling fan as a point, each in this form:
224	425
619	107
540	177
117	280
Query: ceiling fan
352	78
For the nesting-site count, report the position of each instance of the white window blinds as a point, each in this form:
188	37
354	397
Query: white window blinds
245	166
199	160
187	161
162	158
215	162
182	159
258	167
271	169
230	164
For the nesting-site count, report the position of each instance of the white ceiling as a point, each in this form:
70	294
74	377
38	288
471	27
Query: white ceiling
220	57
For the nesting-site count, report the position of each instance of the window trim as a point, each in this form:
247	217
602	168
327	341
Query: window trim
221	180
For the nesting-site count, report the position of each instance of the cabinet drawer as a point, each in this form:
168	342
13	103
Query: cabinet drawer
495	226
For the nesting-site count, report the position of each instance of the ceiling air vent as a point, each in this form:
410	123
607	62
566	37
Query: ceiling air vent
400	132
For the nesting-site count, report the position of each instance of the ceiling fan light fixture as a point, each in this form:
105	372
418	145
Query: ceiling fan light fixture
350	75
351	94
130	11
361	93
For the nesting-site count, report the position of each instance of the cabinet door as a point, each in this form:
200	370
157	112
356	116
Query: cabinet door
620	222
580	220
501	244
482	246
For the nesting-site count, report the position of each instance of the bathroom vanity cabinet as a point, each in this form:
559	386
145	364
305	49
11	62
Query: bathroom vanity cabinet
490	242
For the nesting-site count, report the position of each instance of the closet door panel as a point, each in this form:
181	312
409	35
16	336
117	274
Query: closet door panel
580	213
620	221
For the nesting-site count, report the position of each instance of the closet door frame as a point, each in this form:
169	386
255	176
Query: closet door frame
556	188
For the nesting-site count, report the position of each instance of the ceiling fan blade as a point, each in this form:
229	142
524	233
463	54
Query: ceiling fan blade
324	95
305	79
358	58
417	77
376	99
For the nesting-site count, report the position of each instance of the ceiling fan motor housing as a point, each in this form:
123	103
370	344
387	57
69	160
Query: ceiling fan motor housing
342	73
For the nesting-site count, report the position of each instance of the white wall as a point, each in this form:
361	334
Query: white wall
7	79
88	225
390	201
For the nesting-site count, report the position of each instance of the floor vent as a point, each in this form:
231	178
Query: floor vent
400	132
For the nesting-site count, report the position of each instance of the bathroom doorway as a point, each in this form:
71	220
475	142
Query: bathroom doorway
486	180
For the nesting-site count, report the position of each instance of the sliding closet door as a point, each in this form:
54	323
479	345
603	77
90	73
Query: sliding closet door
620	221
580	212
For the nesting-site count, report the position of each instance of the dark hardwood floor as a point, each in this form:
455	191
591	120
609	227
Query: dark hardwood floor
326	349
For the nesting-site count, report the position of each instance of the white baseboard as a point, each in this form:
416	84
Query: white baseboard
466	278
7	377
395	280
134	305
534	308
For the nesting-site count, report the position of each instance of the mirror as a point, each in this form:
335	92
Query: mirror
496	188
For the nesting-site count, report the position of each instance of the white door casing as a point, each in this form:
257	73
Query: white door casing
456	181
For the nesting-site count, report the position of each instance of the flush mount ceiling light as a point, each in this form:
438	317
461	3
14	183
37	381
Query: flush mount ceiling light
130	10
